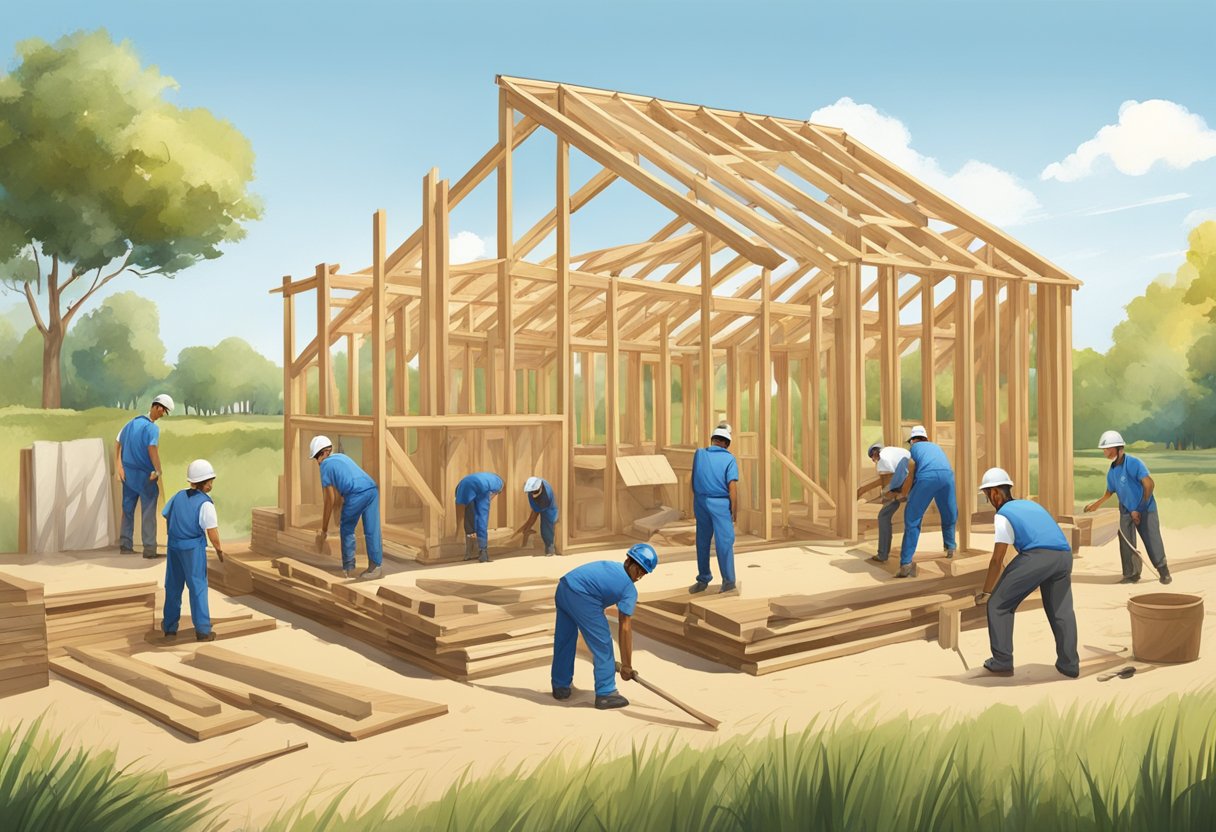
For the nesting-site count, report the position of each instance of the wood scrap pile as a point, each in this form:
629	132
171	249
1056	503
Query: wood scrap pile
270	534
107	616
23	643
1094	529
763	635
458	629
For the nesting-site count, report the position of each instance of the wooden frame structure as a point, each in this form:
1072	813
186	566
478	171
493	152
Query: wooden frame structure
795	256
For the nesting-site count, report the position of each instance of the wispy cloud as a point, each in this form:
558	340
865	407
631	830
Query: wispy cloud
1155	200
1168	255
992	193
1147	132
1197	216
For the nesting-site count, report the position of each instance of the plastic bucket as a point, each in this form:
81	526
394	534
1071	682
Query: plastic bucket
1166	627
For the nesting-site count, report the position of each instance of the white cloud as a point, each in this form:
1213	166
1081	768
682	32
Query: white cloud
1197	216
1148	132
466	247
1178	254
1156	200
992	193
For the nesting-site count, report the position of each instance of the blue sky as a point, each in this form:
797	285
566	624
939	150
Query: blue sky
348	109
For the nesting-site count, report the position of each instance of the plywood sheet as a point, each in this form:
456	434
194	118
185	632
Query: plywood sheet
645	469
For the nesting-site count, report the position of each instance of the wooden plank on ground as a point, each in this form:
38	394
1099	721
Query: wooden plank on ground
223	632
147	678
509	591
426	603
765	666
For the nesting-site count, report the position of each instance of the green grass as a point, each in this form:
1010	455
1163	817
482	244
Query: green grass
247	452
45	787
1085	769
1185	482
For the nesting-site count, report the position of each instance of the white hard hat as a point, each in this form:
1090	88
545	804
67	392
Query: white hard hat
994	477
533	484
199	471
721	431
918	432
1111	439
877	446
318	444
165	401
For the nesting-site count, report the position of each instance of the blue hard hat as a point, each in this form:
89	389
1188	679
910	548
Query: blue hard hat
644	555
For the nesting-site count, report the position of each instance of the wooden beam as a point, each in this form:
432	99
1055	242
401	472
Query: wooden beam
847	405
442	362
785	440
992	374
352	373
379	449
401	461
506	294
707	349
291	406
764	397
1018	381
814	378
612	385
565	363
662	389
965	475
324	357
813	486
888	312
928	390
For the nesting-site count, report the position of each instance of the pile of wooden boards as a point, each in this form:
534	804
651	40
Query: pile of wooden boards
763	635
23	644
458	629
347	711
107	616
1094	529
271	535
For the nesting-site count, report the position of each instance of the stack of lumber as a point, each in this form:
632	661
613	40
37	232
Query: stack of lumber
153	691
1094	529
458	629
763	635
23	644
271	534
347	711
107	616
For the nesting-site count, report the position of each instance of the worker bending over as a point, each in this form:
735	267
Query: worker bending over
715	504
581	598
892	466
137	464
1128	477
190	519
342	478
544	505
930	480
473	495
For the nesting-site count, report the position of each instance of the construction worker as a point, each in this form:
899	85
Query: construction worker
137	463
1043	562
190	519
1128	477
544	505
473	495
715	504
892	466
930	480
341	477
581	598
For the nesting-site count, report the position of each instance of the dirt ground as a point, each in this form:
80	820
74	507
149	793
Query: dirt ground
512	720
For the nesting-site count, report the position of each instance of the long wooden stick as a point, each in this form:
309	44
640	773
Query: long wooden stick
688	709
224	769
1140	554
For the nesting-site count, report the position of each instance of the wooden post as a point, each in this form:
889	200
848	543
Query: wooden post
784	430
764	396
292	405
707	351
633	431
612	384
1067	495
565	364
441	340
688	385
732	388
379	449
589	402
888	313
1018	381
816	338
965	476
427	366
928	356
324	357
352	373
506	243
662	388
846	439
401	371
992	374
469	389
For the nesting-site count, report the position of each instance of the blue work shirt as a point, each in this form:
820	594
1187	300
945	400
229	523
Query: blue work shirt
1124	480
929	458
546	506
606	582
1033	527
135	437
470	488
713	469
344	474
181	516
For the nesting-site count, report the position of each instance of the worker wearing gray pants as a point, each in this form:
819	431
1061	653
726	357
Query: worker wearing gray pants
1128	478
1043	562
892	466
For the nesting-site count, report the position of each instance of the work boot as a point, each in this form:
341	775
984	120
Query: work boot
149	554
612	700
727	586
1070	672
1130	579
907	570
561	693
348	573
878	559
171	636
1165	575
950	554
470	550
208	637
483	556
550	551
699	586
126	550
372	573
997	670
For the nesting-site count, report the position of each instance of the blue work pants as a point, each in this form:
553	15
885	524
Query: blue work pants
186	567
929	487
363	506
577	613
137	487
713	520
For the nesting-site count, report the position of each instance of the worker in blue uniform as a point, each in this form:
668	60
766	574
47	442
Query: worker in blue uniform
543	503
930	480
1128	477
715	504
343	479
137	464
1043	562
473	495
581	598
190	519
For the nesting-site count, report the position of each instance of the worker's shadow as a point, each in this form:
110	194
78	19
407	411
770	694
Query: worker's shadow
586	699
1026	675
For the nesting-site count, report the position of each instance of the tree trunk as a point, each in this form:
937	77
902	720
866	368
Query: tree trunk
52	383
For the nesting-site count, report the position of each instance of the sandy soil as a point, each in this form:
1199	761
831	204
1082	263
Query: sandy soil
511	719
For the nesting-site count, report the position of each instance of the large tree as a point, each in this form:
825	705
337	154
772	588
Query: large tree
116	352
100	176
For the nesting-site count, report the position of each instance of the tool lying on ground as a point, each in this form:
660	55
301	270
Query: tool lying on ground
1139	554
962	658
708	720
1125	673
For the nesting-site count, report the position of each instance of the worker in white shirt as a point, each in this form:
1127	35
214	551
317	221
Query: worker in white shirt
892	466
